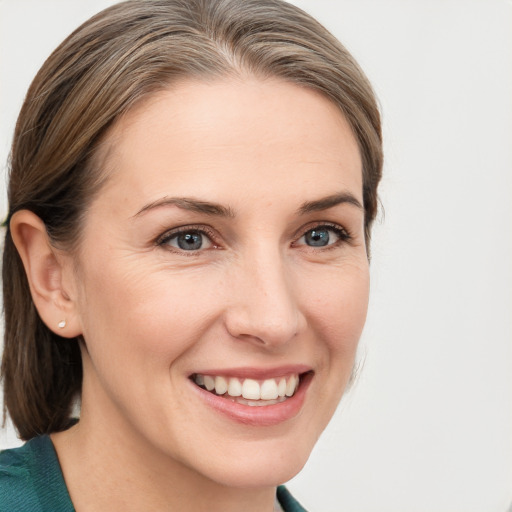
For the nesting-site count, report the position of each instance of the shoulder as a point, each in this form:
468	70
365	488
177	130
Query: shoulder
287	501
16	484
30	479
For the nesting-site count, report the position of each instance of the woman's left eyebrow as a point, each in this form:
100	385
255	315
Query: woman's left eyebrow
190	204
327	202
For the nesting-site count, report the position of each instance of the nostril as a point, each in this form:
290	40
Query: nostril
262	330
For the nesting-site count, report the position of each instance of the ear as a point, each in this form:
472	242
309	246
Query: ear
49	272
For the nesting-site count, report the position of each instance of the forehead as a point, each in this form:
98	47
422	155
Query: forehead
261	135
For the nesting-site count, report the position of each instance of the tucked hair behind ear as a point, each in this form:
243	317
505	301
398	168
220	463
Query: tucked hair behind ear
111	62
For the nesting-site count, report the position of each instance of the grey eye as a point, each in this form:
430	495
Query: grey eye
189	241
323	236
318	237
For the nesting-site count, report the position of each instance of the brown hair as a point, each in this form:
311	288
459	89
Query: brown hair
113	60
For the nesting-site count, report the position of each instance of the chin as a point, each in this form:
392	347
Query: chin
258	463
261	473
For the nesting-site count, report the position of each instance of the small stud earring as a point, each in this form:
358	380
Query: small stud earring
62	324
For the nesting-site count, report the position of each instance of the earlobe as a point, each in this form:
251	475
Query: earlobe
46	271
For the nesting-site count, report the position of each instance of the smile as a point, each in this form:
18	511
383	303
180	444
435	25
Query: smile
247	391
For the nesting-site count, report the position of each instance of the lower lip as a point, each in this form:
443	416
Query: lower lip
262	416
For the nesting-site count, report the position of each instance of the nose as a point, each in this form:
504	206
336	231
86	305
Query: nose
264	304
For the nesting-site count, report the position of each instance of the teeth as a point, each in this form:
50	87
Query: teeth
266	392
221	385
281	388
209	382
235	387
259	403
269	390
251	389
291	385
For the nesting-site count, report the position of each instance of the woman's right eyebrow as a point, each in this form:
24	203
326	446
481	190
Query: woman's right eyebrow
190	204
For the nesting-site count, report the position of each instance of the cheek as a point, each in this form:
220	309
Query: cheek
142	318
337	303
338	307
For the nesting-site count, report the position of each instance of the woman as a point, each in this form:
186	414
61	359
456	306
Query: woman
191	195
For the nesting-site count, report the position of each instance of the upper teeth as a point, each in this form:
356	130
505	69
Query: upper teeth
268	389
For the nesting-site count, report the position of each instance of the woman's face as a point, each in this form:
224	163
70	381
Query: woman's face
226	248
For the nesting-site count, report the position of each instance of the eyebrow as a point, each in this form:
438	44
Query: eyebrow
329	202
190	204
215	209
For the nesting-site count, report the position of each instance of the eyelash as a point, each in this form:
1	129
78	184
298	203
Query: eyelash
164	239
343	237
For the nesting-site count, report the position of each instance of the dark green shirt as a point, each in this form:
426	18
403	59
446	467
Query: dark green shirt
31	481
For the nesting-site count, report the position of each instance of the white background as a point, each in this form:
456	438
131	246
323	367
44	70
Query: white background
428	427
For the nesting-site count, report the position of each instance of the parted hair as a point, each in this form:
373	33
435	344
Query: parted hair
118	57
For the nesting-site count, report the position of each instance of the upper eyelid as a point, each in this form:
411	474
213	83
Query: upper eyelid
343	235
315	225
205	230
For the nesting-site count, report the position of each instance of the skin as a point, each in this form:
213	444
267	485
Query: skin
255	295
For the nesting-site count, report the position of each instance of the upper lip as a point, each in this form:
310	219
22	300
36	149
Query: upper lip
256	373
